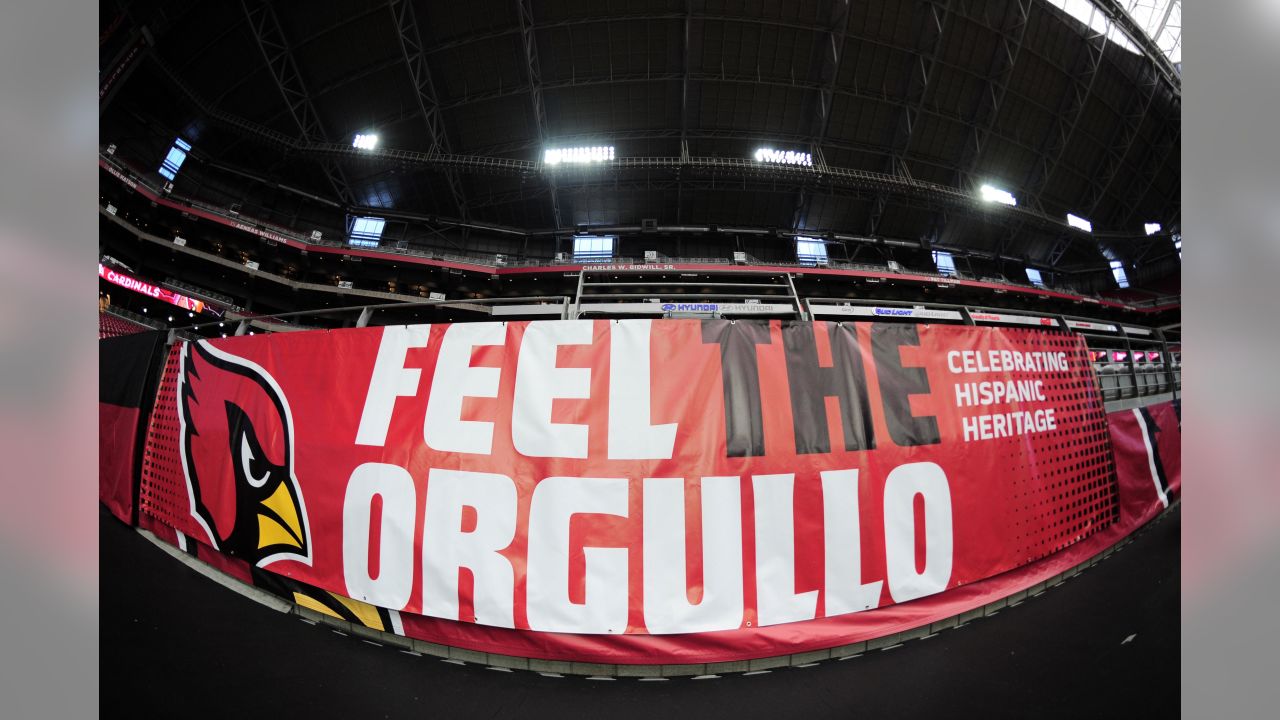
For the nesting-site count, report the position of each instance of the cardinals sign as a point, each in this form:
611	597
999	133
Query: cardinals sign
634	477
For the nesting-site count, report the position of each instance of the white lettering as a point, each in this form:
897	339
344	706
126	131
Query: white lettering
539	383
903	484
666	598
391	379
555	501
845	591
776	598
631	437
446	548
394	582
455	380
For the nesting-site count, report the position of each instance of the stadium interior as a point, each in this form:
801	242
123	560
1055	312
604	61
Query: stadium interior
272	168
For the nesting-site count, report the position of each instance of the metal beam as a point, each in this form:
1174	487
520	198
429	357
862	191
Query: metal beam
415	61
1126	137
524	10
828	75
1002	65
1150	171
877	211
926	56
933	26
297	44
684	103
895	184
1126	24
753	78
740	19
856	93
737	168
862	93
284	71
1079	91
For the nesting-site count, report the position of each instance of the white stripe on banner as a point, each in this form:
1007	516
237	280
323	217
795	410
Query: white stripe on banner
1151	456
396	624
182	541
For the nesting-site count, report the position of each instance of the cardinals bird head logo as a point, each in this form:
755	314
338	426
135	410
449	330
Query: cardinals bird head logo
237	455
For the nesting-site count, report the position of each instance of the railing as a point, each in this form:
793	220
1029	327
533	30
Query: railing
265	229
202	294
1161	301
133	317
540	305
1119	381
1116	381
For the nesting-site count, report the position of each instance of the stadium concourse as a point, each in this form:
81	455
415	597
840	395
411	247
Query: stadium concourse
543	357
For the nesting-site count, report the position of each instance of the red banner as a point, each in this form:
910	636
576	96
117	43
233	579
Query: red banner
129	282
1148	450
633	477
126	382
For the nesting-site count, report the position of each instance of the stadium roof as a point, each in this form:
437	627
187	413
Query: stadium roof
905	108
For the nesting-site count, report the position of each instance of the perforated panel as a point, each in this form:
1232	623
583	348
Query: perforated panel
1070	492
163	494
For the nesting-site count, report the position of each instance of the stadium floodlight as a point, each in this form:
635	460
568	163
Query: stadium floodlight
784	157
995	194
367	141
1151	228
578	155
1079	223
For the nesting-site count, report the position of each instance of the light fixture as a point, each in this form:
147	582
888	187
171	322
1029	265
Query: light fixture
366	141
783	157
1079	223
994	194
578	155
1151	228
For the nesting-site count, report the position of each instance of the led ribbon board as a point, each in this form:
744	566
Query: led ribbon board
151	291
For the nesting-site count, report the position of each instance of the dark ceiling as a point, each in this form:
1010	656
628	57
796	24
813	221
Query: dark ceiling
907	106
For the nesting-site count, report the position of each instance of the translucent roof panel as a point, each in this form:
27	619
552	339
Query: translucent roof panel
1160	19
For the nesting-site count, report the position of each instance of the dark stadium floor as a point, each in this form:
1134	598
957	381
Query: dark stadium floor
174	643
